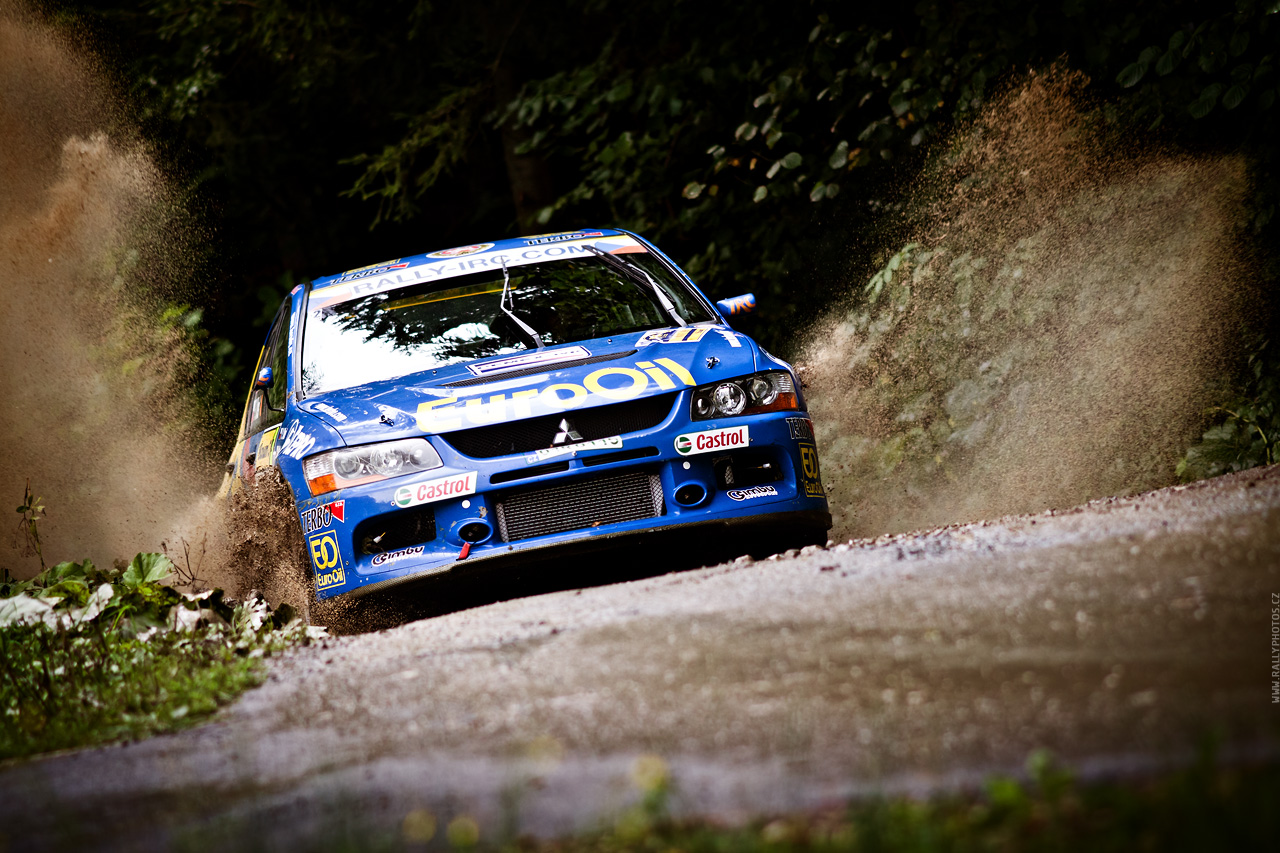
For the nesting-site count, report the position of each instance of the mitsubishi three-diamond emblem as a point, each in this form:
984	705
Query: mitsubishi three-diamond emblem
566	433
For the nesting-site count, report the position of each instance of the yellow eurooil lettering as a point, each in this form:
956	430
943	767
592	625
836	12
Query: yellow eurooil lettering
483	414
429	420
683	375
553	400
638	383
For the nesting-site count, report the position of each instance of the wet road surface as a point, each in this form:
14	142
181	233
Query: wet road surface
1119	635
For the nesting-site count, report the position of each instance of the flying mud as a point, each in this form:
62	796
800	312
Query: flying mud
1053	331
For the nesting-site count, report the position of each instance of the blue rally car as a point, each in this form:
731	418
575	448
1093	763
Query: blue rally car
505	400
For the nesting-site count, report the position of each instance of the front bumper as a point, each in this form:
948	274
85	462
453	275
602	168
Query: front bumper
516	506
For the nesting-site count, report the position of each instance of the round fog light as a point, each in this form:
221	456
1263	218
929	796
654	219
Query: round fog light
690	494
474	531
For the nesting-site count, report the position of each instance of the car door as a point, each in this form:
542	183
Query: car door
264	412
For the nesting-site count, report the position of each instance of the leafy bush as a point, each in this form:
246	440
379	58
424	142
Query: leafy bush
1247	431
91	655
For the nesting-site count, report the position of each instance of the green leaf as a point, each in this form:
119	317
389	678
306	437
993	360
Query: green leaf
792	160
833	190
840	156
1204	104
147	568
1149	55
1131	74
1167	63
1234	96
818	192
1239	42
693	189
760	193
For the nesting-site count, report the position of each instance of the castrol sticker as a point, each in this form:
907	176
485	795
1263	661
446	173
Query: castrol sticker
454	486
712	440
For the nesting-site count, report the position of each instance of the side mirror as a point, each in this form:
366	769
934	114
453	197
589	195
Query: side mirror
744	304
265	379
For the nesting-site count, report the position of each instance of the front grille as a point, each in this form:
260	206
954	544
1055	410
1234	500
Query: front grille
396	530
574	506
537	433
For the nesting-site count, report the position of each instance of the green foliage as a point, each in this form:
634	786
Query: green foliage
1247	429
765	147
89	655
1202	807
31	510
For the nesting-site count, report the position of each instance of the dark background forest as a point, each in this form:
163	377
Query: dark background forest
766	146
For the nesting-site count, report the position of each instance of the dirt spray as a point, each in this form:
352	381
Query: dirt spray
1052	334
92	247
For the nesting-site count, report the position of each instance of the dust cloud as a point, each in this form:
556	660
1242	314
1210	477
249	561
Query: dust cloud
1053	333
92	239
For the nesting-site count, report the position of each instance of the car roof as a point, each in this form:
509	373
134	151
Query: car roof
440	256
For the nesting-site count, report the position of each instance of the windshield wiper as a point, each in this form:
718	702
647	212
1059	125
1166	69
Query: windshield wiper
641	277
510	312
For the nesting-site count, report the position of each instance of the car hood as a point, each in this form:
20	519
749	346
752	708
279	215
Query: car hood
534	383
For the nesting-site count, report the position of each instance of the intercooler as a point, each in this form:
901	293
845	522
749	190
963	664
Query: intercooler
574	506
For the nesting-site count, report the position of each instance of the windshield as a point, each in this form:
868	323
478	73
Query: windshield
426	326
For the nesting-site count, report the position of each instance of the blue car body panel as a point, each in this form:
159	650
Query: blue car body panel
517	495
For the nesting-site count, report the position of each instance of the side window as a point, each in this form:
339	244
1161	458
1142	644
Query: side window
263	405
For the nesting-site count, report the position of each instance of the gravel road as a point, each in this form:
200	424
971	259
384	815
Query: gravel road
1119	634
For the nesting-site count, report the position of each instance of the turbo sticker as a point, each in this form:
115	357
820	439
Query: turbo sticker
322	516
430	491
445	414
542	239
692	443
375	269
327	558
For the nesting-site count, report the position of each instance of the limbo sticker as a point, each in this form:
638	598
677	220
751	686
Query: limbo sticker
753	492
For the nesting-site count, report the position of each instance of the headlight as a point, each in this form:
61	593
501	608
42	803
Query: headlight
351	466
772	391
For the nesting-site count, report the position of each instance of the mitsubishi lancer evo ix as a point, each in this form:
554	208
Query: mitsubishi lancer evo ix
531	397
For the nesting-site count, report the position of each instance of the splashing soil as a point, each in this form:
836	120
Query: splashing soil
1053	333
93	243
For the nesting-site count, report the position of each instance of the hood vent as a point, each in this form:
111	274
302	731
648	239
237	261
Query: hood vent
530	371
